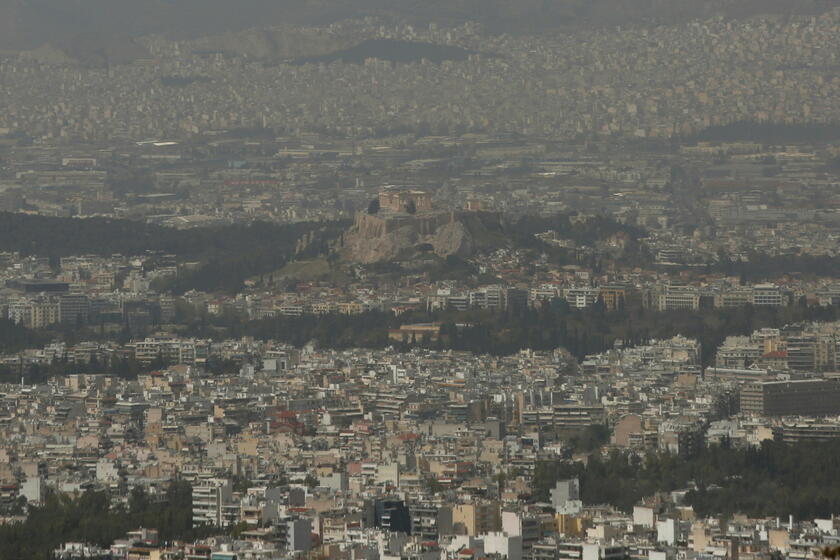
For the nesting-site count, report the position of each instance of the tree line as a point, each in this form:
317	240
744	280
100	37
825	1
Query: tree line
91	517
580	331
15	337
774	479
770	133
226	256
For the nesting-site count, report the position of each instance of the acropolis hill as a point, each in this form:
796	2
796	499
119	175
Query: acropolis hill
407	221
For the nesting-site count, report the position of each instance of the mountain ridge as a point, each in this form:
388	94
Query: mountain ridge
28	24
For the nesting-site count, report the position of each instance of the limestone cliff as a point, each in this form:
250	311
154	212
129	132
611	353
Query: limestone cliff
394	236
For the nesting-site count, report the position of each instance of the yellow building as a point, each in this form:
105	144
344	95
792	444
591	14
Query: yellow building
44	314
477	519
570	525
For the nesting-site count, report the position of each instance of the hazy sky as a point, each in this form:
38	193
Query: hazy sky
29	23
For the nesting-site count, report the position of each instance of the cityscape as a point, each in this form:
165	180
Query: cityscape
370	281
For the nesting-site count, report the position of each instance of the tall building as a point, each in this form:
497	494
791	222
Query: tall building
74	309
807	397
209	498
44	313
802	352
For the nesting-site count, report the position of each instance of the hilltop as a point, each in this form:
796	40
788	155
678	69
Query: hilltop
384	238
402	224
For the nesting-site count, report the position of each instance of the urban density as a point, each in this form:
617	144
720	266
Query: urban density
374	284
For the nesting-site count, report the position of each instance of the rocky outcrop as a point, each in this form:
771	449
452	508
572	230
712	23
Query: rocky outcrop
453	239
392	236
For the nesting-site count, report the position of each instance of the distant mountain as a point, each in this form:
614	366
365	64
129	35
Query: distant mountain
281	41
389	49
27	24
90	49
